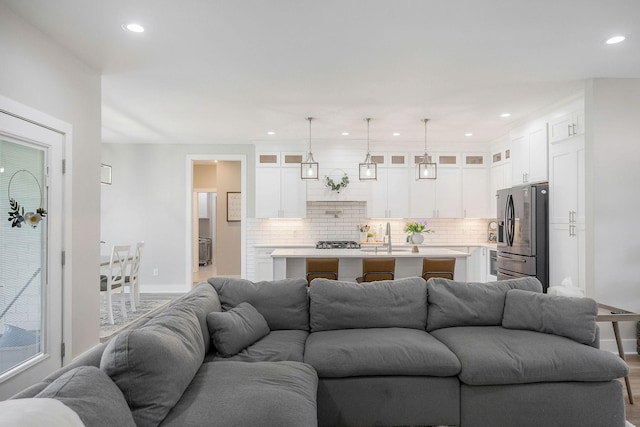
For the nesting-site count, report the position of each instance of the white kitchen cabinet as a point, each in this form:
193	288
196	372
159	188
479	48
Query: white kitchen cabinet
475	191
438	198
390	193
263	264
567	254
566	211
568	123
477	264
529	148
280	193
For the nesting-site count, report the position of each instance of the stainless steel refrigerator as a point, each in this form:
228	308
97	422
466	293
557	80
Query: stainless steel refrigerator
523	232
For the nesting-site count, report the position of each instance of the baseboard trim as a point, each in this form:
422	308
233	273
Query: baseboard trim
628	345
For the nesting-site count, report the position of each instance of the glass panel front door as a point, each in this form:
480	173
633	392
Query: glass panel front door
23	243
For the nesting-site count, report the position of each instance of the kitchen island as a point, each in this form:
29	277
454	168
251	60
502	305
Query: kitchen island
290	263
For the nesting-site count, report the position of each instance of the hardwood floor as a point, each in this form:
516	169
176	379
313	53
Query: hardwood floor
633	411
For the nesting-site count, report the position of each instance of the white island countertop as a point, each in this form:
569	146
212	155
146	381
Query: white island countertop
290	262
397	252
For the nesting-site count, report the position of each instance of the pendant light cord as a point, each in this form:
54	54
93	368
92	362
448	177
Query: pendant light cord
425	140
309	118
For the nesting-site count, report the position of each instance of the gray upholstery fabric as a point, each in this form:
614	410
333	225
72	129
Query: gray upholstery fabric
283	303
387	303
277	346
202	300
91	394
389	401
492	355
236	329
471	304
569	317
229	394
378	351
154	364
567	404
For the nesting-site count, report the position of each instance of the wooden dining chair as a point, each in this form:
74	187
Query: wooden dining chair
114	279
132	280
438	267
326	268
374	269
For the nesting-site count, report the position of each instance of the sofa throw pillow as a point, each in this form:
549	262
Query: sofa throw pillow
398	303
454	303
571	317
38	412
153	365
236	329
77	390
283	303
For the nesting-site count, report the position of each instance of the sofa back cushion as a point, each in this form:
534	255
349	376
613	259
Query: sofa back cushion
283	303
454	303
153	365
571	317
383	304
92	395
202	300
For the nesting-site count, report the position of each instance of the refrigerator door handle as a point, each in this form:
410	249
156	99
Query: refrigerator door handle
510	220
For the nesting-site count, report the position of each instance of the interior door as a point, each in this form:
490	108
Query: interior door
31	288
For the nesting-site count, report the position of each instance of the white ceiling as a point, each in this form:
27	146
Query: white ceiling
212	71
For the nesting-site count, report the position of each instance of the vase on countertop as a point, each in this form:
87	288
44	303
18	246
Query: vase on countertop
417	238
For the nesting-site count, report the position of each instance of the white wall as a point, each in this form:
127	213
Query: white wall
46	77
147	202
613	200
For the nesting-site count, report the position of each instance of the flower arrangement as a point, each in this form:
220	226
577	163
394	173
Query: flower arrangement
363	228
420	226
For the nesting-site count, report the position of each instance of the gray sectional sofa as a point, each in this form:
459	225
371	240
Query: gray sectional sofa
404	352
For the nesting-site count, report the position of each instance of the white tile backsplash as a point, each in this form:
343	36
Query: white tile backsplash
320	225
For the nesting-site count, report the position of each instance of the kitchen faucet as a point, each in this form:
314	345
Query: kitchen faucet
388	238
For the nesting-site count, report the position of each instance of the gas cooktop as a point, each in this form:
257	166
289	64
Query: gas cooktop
337	244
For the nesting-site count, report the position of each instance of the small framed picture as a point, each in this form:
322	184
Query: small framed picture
234	206
105	174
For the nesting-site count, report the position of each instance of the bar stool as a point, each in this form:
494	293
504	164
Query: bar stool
326	268
438	267
377	269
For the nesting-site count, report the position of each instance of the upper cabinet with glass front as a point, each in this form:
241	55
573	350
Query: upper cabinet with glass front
280	193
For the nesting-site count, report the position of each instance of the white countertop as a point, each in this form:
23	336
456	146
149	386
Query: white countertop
401	251
371	244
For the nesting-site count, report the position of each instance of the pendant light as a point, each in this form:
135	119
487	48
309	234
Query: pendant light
425	169
309	168
368	169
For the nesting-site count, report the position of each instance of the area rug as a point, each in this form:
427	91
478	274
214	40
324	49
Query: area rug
148	305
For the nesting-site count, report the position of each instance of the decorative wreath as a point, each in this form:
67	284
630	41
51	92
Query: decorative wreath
17	215
339	186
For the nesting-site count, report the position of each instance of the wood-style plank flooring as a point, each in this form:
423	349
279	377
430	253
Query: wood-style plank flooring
633	411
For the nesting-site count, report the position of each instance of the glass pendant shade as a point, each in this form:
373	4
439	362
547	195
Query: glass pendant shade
309	168
368	169
426	169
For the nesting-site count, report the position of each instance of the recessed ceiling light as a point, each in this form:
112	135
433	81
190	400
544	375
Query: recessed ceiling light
505	114
468	134
134	28
396	134
615	39
271	132
345	133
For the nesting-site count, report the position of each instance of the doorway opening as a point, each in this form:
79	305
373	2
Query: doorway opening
216	216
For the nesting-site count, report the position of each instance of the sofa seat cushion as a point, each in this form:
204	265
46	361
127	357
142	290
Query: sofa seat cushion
277	346
378	351
492	355
278	394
